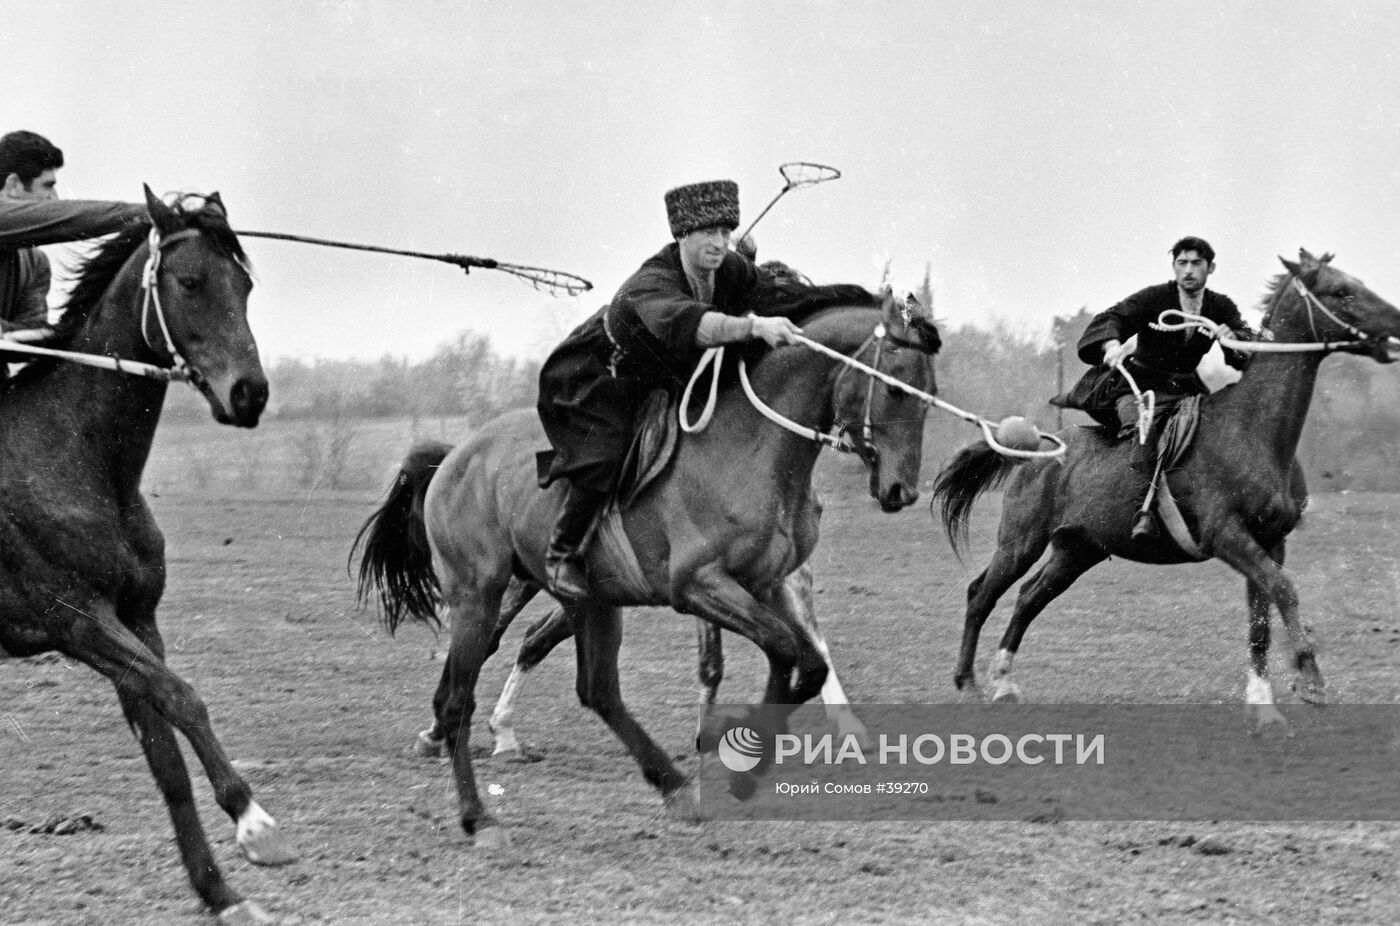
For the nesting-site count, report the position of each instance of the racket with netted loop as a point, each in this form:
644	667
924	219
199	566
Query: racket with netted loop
796	175
554	282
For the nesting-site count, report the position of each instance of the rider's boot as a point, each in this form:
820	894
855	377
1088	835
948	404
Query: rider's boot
564	563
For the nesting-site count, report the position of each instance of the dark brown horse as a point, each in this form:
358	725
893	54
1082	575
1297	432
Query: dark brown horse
715	536
82	562
1240	488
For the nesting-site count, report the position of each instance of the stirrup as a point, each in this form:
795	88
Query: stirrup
1144	525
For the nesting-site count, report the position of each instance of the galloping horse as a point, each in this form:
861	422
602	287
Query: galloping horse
1240	486
82	562
715	535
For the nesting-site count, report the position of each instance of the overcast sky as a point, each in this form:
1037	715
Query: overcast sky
1038	157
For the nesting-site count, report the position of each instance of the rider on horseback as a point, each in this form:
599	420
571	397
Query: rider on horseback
693	294
30	215
1162	361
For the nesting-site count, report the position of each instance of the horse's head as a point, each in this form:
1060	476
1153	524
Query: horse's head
195	305
885	424
1339	308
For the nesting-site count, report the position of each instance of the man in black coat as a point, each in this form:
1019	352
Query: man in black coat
1163	361
693	294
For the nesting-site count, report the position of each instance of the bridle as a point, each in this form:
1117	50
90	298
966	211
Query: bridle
866	448
179	369
150	299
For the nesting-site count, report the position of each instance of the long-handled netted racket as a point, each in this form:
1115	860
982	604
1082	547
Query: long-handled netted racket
796	174
554	282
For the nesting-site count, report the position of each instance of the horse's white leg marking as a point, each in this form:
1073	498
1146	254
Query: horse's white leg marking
1003	688
428	746
503	717
246	912
260	839
838	706
1259	701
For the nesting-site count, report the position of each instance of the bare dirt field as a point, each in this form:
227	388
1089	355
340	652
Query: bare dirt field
317	704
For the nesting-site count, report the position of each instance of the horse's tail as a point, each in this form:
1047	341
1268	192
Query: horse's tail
397	561
975	469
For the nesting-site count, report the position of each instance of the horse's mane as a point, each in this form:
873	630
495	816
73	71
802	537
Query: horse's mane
787	292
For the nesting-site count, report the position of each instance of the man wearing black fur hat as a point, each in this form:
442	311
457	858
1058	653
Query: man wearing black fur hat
692	294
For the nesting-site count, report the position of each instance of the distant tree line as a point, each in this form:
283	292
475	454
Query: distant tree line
465	377
1352	439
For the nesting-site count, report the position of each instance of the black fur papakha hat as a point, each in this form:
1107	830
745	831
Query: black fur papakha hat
702	205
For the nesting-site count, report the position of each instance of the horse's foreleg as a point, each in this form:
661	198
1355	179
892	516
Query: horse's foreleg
154	699
799	603
1259	691
797	669
172	778
545	634
1267	582
1068	561
598	638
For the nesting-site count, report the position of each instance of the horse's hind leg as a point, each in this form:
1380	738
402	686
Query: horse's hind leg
474	612
598	638
518	594
1069	559
545	634
1012	559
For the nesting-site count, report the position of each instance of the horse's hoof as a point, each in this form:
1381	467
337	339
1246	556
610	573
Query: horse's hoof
970	693
246	913
1008	695
849	725
742	785
268	847
425	747
1311	693
1268	719
490	837
708	736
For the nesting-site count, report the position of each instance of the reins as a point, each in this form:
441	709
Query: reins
715	354
1220	333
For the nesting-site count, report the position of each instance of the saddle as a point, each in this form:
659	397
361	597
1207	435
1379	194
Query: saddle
612	559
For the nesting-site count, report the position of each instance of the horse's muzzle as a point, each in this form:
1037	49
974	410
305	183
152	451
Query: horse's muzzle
242	405
898	497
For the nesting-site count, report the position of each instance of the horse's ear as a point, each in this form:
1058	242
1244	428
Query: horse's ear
1291	267
213	199
1307	260
162	217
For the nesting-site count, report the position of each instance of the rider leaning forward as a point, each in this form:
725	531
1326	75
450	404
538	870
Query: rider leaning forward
1163	361
693	294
